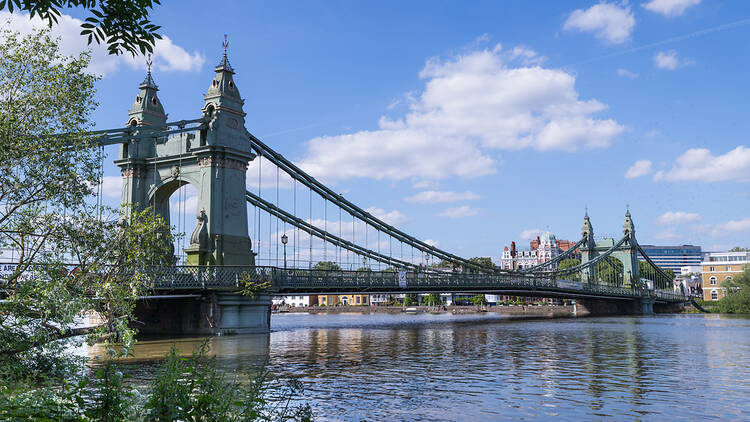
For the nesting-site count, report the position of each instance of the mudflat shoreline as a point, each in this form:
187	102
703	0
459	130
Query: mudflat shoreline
518	310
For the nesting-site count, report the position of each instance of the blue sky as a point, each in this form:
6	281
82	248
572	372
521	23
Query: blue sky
476	123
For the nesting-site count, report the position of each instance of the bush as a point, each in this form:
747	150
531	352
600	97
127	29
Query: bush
735	303
186	389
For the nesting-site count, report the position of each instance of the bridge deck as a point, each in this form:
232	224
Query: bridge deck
297	281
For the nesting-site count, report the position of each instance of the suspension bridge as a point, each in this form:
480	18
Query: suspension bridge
217	155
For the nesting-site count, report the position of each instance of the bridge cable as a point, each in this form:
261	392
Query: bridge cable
324	191
317	232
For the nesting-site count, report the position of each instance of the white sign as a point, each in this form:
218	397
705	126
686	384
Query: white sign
402	279
7	269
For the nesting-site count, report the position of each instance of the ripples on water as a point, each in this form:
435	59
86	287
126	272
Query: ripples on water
484	367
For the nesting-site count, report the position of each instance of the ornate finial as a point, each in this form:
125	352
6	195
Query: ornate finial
149	81
586	209
627	208
224	62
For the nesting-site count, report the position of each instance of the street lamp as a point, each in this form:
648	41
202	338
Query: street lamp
427	260
284	240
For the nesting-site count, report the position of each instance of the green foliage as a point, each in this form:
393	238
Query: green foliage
411	299
483	261
433	299
478	300
610	271
366	269
48	217
568	263
737	299
186	389
326	266
122	25
739	249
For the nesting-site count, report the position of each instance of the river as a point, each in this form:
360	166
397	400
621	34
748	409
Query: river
381	367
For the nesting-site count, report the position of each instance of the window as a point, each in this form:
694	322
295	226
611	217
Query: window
714	295
711	268
712	280
729	268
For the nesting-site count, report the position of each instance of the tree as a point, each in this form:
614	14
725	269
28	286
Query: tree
411	299
737	298
483	261
47	215
478	300
568	263
739	249
433	299
326	266
122	25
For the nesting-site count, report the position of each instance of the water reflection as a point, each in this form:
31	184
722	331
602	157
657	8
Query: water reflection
485	367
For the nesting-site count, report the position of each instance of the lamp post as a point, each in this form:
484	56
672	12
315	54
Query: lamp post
364	262
284	240
427	261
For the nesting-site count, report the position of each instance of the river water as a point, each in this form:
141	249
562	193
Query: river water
381	367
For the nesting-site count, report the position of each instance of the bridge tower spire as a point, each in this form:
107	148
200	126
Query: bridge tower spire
147	111
630	262
213	159
588	249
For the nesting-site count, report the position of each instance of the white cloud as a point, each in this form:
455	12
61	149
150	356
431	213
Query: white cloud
626	74
732	227
167	55
668	60
678	217
699	164
640	168
111	186
529	234
609	23
435	197
670	8
393	217
471	104
458	212
425	184
431	242
668	235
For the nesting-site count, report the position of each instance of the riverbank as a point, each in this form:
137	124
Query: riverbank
515	310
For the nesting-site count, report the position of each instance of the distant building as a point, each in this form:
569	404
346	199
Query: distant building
344	300
380	299
542	249
673	257
513	259
718	267
295	301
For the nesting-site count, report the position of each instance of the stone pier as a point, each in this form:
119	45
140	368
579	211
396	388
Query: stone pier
207	313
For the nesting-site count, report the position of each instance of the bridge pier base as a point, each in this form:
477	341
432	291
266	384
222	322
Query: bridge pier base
242	314
602	307
210	313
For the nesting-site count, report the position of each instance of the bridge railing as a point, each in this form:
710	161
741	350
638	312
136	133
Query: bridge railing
311	281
